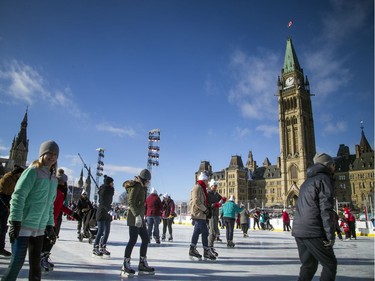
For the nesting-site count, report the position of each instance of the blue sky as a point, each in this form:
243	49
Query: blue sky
103	73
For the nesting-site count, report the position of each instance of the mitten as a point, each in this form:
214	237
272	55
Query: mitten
14	230
216	205
328	243
206	212
76	216
138	221
50	233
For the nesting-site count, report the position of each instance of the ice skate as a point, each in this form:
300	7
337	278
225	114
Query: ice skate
126	270
218	239
230	244
96	252
170	239
143	268
157	240
194	254
209	255
214	251
103	250
46	266
163	238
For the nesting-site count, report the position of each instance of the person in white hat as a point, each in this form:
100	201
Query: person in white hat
153	215
200	212
215	200
83	206
313	224
168	215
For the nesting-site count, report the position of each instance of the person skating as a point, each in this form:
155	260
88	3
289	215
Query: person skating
137	190
31	212
167	216
200	212
229	210
7	184
154	208
313	224
215	200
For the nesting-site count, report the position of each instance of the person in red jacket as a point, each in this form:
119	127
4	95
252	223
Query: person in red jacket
59	208
286	220
154	209
345	226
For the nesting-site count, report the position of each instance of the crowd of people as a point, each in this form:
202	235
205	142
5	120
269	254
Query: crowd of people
32	205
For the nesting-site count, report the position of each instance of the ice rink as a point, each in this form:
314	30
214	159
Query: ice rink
264	255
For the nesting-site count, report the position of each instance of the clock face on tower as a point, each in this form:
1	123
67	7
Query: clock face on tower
289	81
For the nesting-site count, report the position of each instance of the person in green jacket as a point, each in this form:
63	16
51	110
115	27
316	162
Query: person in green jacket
137	192
31	212
229	211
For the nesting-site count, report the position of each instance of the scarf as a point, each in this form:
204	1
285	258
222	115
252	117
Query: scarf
204	187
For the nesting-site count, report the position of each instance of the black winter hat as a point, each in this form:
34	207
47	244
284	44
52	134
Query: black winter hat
145	174
107	180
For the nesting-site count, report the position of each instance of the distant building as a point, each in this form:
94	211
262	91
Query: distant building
18	151
278	185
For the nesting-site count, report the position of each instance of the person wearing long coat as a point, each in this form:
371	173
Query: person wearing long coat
103	217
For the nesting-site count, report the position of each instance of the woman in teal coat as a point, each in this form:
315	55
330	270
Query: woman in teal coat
229	211
31	212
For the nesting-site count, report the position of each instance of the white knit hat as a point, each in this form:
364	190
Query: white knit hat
153	191
203	176
213	182
231	198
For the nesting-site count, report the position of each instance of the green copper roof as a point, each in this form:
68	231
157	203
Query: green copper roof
290	61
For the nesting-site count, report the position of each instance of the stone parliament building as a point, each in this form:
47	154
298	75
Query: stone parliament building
278	185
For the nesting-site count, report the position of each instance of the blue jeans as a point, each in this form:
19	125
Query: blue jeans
104	227
229	225
153	223
19	250
200	227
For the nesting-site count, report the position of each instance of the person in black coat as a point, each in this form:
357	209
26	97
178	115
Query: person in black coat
313	225
103	217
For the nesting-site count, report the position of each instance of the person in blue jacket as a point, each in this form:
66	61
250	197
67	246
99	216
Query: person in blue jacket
229	211
31	212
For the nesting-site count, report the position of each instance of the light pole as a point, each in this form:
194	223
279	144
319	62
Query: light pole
99	171
153	149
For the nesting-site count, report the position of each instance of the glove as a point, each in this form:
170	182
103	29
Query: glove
76	216
138	221
328	243
50	233
170	217
216	205
206	212
14	230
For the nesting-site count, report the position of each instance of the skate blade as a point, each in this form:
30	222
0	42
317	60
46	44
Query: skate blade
126	275
96	256
210	259
146	272
106	256
195	258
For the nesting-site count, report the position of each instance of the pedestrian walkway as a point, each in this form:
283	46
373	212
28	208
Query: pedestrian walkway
263	256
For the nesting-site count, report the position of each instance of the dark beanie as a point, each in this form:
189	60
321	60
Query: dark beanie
17	170
145	174
107	180
48	146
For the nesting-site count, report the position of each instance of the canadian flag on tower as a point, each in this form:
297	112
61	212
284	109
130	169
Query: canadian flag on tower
290	23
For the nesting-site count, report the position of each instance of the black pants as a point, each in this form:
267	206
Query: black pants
312	252
133	236
167	223
4	214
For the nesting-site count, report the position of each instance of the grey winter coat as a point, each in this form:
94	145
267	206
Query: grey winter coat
314	211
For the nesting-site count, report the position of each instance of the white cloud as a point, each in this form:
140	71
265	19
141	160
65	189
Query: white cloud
334	128
241	132
106	127
112	169
254	86
268	131
23	83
